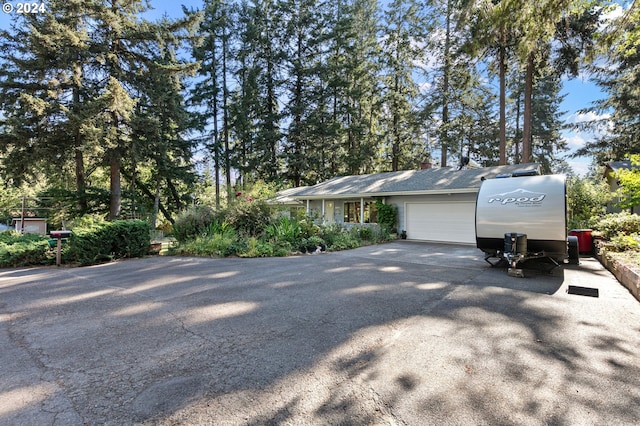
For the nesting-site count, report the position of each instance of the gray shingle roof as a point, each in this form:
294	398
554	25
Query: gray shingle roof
624	164
408	182
287	196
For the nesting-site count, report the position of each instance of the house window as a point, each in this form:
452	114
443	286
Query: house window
352	212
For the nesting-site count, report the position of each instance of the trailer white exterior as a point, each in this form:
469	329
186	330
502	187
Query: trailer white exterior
531	205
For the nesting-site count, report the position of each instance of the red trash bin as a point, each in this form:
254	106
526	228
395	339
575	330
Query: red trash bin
585	241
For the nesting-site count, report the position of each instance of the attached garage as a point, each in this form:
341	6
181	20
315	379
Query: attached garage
433	204
438	221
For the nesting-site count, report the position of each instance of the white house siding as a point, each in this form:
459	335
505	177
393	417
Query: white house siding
432	224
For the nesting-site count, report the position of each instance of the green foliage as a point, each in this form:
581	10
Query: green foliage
330	233
626	242
284	229
249	217
617	224
23	250
344	241
257	248
586	200
629	181
193	222
108	241
308	228
387	215
216	244
361	232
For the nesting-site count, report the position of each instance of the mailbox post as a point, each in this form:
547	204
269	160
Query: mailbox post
59	235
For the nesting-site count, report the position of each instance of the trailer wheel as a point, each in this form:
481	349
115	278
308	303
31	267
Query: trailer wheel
574	254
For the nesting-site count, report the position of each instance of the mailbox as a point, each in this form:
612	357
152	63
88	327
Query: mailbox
60	234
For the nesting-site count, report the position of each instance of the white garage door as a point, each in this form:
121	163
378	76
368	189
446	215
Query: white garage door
448	222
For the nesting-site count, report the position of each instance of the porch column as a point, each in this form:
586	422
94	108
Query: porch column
361	210
308	211
323	209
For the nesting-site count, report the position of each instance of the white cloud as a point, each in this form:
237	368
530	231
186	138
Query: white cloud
582	117
575	141
580	166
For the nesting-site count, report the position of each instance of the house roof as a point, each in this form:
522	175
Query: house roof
621	165
408	182
286	196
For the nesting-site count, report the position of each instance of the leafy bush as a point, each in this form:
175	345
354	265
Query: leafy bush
257	248
626	242
329	233
629	180
308	228
193	222
586	200
387	215
284	229
109	240
362	233
23	250
344	241
249	217
217	244
615	224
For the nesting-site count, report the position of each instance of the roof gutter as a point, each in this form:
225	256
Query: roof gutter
386	194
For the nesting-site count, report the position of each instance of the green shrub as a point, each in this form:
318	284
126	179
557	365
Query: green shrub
344	241
194	222
284	229
249	217
626	242
586	199
217	244
361	232
329	233
614	224
23	250
308	228
387	215
257	248
109	240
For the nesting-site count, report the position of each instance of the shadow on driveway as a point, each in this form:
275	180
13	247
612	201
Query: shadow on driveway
399	333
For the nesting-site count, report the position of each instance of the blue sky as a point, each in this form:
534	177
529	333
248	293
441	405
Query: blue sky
580	92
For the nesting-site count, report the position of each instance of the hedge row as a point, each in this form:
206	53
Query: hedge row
95	243
107	241
22	250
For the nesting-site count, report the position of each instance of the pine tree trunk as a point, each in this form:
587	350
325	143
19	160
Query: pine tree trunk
528	94
445	88
115	199
503	126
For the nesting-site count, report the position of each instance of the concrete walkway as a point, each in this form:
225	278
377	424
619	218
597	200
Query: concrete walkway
400	333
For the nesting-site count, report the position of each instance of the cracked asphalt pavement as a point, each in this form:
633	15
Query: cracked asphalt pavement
403	333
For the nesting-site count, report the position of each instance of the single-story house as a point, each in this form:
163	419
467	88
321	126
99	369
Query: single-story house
436	204
610	176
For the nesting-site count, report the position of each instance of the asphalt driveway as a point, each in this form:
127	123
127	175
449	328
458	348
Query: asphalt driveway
400	333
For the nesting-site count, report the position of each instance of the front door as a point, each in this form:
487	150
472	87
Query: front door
329	210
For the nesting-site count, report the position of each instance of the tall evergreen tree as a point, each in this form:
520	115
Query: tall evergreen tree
619	129
210	91
47	105
402	33
300	51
